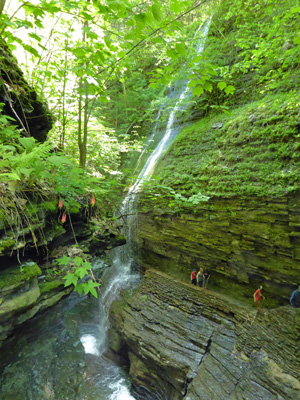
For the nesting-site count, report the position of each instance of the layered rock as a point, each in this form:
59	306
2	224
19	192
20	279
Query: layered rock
186	343
22	297
244	241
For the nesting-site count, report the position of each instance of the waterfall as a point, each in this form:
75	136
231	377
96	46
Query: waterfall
123	257
120	275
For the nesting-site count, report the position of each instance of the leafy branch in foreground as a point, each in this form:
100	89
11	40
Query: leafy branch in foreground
81	270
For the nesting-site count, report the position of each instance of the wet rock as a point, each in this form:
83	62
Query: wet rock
21	296
187	343
44	360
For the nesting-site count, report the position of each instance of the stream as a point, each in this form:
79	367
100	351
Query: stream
63	353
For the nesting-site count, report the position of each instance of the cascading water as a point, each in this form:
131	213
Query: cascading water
120	275
46	363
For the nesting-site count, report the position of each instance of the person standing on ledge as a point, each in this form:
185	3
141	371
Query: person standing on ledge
257	296
295	298
200	277
194	277
206	279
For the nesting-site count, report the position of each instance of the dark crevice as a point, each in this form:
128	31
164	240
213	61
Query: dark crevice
190	379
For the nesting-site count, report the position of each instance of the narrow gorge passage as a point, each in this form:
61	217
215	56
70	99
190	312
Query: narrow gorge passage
144	148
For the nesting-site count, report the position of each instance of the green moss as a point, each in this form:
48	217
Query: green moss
6	244
48	286
16	275
255	152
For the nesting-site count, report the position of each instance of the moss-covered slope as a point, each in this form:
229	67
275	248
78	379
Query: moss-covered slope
253	151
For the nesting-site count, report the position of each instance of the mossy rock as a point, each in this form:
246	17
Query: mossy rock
6	244
46	287
31	110
15	276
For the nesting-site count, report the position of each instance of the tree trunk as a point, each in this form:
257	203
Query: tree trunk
2	4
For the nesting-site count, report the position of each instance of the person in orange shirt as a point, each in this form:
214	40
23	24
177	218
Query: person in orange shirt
257	296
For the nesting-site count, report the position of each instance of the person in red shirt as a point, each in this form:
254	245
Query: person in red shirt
193	277
257	296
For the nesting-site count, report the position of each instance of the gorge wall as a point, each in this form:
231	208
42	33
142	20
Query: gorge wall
243	242
186	343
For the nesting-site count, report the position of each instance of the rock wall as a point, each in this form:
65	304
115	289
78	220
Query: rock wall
245	242
186	343
22	296
21	100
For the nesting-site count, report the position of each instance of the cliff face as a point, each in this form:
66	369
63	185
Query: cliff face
243	242
186	343
20	100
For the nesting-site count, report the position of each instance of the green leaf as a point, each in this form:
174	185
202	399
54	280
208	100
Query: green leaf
180	48
171	54
175	7
31	50
9	177
130	22
193	83
91	285
27	143
207	86
70	279
229	89
295	10
79	53
35	36
222	85
64	260
78	261
59	160
297	40
79	288
156	11
81	272
26	171
197	91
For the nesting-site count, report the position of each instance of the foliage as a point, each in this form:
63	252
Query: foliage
165	195
80	269
255	48
252	150
29	166
107	68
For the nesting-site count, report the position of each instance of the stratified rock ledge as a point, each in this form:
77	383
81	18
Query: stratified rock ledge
186	343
